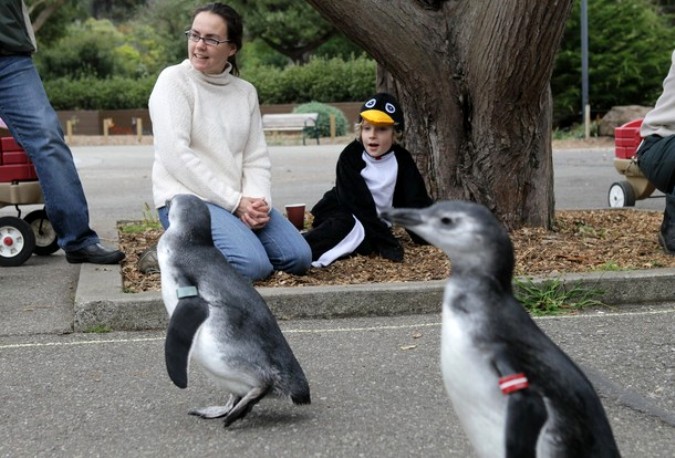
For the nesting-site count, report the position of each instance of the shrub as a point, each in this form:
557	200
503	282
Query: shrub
321	80
323	121
99	94
630	45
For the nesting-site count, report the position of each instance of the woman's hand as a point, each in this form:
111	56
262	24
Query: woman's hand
253	211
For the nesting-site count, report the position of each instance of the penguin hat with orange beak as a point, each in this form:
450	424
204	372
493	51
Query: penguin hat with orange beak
382	109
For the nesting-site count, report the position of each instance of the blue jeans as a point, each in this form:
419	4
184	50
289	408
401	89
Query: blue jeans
32	121
256	254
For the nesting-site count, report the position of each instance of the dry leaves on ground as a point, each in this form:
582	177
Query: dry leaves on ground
582	241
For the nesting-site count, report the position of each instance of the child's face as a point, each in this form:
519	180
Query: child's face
377	140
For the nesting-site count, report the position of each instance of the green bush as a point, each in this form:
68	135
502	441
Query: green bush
323	121
321	80
325	81
99	94
630	45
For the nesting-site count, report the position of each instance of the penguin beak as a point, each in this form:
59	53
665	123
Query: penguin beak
408	217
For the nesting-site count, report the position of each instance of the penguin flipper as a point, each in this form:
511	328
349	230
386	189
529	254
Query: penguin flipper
525	411
525	418
189	314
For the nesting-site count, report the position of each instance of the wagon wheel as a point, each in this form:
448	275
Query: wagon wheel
17	241
621	194
46	241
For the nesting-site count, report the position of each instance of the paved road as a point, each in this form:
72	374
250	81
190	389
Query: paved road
376	391
376	383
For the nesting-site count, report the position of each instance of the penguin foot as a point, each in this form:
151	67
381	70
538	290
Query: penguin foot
216	411
245	404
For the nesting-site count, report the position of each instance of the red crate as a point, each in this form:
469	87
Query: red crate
14	157
9	144
17	172
627	139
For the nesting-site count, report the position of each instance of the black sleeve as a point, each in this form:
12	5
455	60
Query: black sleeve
410	191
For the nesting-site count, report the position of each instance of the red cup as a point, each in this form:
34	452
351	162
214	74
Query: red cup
296	215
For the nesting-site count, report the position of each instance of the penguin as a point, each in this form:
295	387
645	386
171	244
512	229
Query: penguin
515	392
219	320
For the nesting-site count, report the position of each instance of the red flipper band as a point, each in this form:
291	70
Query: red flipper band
514	382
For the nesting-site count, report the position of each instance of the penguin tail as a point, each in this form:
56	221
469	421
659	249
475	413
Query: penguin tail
301	398
300	392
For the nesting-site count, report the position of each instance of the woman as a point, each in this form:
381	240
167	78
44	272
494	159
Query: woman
209	142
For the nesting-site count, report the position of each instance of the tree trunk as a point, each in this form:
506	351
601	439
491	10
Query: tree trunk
473	80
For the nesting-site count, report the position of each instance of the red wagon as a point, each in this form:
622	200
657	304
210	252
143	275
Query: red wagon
20	238
624	193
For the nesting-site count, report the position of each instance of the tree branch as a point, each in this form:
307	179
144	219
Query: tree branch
45	13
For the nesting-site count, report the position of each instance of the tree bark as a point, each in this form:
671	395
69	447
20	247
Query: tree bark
473	79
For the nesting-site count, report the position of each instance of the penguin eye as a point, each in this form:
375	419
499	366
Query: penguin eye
447	221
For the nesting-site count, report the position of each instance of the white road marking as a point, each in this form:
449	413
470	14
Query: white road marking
328	330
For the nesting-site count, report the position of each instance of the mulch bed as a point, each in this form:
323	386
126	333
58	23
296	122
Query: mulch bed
581	241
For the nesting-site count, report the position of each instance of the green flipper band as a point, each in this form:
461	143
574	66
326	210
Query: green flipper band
186	291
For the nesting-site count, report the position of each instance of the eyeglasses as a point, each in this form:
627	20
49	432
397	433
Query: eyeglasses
194	36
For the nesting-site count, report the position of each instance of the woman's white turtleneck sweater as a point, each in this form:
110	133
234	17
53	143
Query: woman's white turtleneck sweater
208	138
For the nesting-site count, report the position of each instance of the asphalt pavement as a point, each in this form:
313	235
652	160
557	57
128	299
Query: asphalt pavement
375	379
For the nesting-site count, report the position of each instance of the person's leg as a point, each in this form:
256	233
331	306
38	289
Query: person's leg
656	159
34	124
239	244
667	234
286	248
331	231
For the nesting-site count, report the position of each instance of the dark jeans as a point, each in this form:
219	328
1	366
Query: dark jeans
33	123
656	159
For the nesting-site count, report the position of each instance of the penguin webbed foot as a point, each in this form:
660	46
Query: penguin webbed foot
245	404
212	412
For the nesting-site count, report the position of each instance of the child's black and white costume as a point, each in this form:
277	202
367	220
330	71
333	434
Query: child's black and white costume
346	219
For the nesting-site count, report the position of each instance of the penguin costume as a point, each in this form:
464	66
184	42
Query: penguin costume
515	392
219	320
346	219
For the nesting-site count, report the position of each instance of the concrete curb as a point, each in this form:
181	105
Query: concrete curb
100	301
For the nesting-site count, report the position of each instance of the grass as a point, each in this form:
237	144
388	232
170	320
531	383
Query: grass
609	266
553	298
98	329
150	221
575	132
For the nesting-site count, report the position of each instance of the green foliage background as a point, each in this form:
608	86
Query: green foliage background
630	48
111	63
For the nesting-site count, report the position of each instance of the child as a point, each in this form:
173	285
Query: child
373	173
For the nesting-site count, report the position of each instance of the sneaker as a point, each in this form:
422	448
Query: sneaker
95	254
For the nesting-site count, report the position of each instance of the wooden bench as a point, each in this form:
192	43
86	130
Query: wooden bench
290	122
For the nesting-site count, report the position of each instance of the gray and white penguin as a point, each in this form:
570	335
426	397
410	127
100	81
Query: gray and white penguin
515	392
219	320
